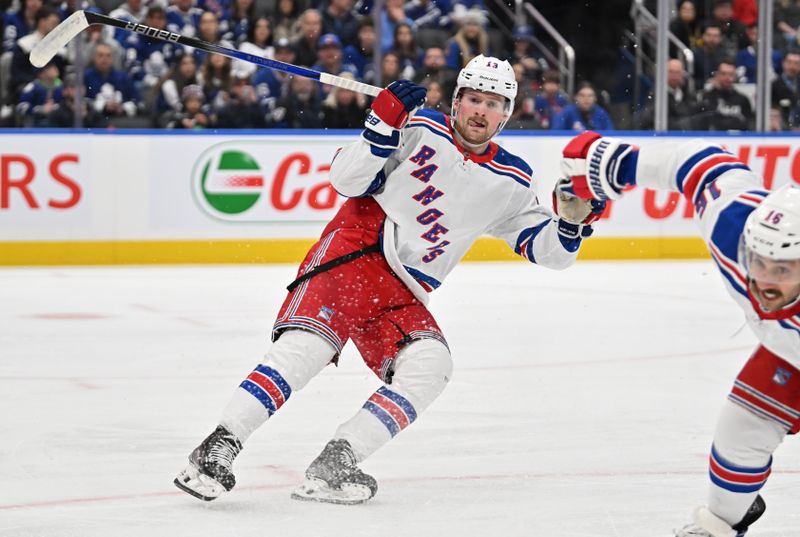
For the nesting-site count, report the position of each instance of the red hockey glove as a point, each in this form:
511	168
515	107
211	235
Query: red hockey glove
591	164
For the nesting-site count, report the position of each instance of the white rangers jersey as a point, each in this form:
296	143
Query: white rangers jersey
439	198
724	191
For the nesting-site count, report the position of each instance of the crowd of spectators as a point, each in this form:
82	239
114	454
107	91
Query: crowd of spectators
132	80
719	94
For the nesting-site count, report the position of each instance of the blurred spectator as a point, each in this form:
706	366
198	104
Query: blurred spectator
329	53
258	43
216	80
87	40
68	7
183	18
269	83
681	102
305	43
436	99
208	29
299	107
734	33
392	15
110	91
686	26
338	19
585	114
40	97
469	41
434	67
22	72
19	23
343	108
63	115
169	90
405	46
722	108
390	69
361	55
242	110
462	9
192	115
523	117
149	58
524	53
747	59
285	19
776	121
130	11
786	90
746	11
787	20
708	56
551	100
239	21
429	14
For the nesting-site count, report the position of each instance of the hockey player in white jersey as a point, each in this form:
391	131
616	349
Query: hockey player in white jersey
754	239
422	187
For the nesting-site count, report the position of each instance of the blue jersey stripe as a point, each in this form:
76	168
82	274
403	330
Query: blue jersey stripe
729	227
505	158
515	177
715	172
418	275
788	325
432	129
531	232
433	115
689	164
731	280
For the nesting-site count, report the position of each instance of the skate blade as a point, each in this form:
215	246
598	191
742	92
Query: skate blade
318	491
199	485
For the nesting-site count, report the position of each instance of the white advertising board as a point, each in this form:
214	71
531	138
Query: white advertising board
168	186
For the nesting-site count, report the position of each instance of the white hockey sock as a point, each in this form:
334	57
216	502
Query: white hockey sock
422	369
365	434
743	445
290	363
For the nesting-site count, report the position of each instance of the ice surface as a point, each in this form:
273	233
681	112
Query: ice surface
582	405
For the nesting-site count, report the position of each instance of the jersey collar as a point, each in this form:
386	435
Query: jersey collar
487	155
780	315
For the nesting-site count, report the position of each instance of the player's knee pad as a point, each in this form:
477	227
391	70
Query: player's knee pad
745	439
421	371
299	355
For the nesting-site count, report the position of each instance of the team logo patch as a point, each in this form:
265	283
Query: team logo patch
325	313
781	376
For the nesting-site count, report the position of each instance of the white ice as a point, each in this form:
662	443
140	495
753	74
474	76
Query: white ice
583	405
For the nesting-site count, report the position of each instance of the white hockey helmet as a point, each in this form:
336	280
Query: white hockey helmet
769	250
489	74
773	229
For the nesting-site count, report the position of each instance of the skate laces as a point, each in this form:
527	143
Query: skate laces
346	456
224	448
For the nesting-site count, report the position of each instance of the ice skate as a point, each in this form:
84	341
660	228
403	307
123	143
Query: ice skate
209	473
333	477
706	524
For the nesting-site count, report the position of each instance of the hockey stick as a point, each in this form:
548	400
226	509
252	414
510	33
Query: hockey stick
48	47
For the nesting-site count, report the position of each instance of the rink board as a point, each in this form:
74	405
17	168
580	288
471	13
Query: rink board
148	197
